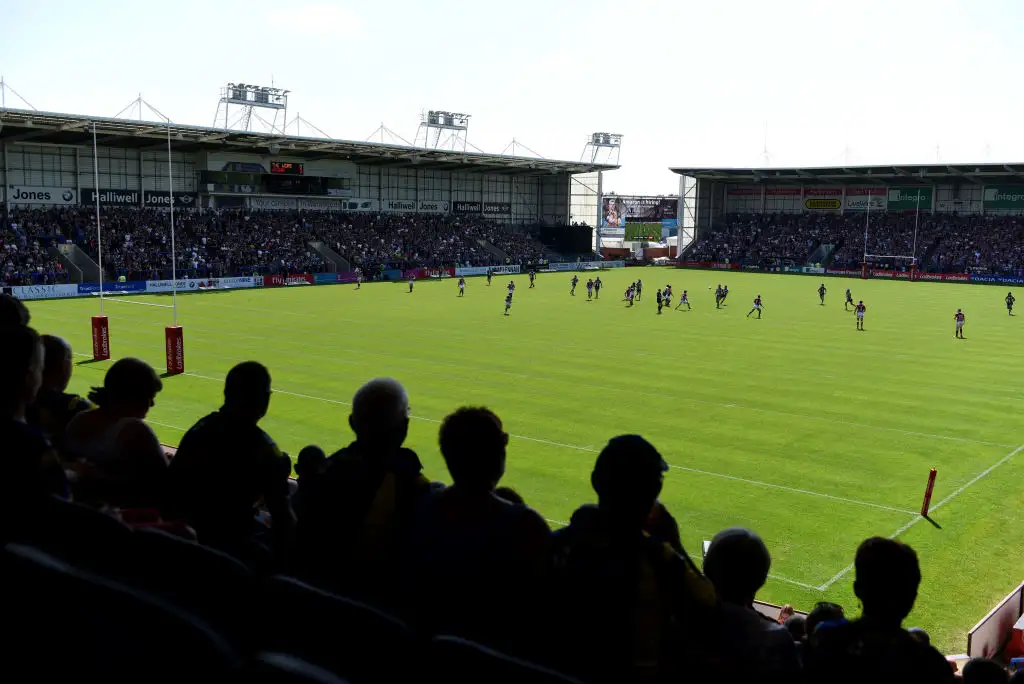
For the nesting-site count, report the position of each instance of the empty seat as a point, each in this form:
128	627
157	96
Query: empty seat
211	584
81	536
349	638
60	623
454	660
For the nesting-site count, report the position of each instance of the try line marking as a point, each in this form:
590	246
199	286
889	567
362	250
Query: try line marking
918	518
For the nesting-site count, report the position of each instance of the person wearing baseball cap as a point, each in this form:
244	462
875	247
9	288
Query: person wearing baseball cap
626	604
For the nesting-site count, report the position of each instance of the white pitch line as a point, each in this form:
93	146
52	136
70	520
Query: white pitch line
795	490
842	573
129	301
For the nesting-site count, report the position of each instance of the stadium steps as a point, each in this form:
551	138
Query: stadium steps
79	265
338	263
493	251
821	255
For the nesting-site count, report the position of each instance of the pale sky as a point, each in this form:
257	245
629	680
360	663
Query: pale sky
686	83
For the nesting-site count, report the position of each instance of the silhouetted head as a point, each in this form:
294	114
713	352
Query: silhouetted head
21	368
380	413
797	627
737	563
887	578
247	390
57	363
985	671
129	387
473	445
627	477
823	611
12	311
920	635
311	460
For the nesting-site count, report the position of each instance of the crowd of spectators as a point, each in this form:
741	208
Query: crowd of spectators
25	257
210	560
942	243
229	242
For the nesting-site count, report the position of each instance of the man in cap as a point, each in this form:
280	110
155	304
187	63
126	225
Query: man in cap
635	606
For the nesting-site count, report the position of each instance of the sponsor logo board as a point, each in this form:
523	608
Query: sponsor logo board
398	206
432	207
823	204
497	208
909	199
45	291
1004	197
25	194
182	285
466	207
482	270
865	199
112	287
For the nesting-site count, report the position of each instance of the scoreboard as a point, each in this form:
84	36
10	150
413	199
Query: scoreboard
287	168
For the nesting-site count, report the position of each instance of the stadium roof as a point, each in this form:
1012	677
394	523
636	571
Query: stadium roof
899	174
19	125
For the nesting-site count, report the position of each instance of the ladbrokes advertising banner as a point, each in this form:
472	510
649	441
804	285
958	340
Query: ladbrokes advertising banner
618	210
865	199
823	199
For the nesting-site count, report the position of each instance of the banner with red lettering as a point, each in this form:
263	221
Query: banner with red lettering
423	273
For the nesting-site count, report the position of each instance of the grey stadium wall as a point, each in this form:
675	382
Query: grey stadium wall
512	199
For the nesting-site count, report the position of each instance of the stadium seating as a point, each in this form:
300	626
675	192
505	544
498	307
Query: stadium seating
230	242
943	242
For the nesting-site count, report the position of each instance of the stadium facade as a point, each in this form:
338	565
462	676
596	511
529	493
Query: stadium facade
47	159
708	194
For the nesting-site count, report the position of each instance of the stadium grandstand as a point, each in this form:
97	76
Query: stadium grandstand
428	207
945	219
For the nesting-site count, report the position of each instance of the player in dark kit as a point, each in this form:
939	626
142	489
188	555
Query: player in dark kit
462	287
684	299
533	277
590	289
411	281
719	296
639	289
725	294
658	295
757	307
821	294
508	302
490	274
849	300
597	288
860	315
1009	303
960	319
573	282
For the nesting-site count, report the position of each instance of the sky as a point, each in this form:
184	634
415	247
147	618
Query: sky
713	83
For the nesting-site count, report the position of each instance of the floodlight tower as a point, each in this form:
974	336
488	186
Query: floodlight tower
602	148
249	98
435	124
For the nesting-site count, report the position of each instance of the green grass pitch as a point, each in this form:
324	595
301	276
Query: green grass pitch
797	426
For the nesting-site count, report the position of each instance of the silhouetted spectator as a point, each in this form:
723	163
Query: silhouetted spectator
358	513
127	464
510	495
984	671
875	646
226	465
796	625
920	635
624	605
312	461
823	612
13	311
30	469
53	409
467	541
737	563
